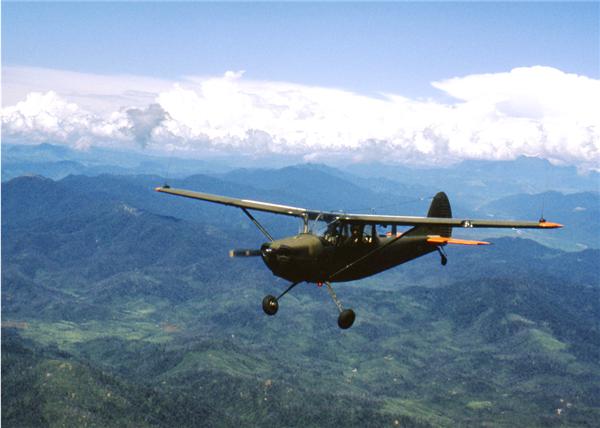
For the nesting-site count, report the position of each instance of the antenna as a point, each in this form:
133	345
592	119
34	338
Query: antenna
168	172
546	162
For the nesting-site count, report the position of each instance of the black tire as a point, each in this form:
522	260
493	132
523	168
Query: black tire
346	319
270	305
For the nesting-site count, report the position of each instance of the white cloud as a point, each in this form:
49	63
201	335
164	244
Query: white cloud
535	111
47	116
142	122
531	92
96	92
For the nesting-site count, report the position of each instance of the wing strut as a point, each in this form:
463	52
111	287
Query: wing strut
260	227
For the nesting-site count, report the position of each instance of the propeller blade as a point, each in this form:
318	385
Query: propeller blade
244	253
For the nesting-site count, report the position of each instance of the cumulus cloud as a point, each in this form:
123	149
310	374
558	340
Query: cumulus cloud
142	122
533	111
48	116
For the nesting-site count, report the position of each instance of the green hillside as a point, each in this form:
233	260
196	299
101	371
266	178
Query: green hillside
114	314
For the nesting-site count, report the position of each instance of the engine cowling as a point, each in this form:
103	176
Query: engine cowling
297	258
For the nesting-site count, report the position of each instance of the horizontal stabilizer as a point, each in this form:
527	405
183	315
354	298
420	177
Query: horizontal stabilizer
434	239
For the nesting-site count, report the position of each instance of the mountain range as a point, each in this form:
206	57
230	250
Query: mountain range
121	308
526	188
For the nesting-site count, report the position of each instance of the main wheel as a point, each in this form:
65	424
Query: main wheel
270	305
346	319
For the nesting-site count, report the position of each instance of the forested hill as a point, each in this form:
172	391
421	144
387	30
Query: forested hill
120	307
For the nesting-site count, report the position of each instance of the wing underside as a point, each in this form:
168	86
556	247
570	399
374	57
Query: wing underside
384	220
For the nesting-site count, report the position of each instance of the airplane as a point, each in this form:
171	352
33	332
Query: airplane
351	247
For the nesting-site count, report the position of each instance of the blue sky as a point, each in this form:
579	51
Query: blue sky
365	47
413	83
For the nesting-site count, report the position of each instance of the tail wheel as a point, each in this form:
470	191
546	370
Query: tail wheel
346	319
270	305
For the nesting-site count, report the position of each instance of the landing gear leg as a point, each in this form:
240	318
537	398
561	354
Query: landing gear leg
270	304
444	257
347	316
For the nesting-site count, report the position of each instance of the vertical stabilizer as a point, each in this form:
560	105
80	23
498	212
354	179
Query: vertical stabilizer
440	207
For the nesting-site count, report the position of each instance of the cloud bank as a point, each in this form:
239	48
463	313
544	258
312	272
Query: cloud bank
532	111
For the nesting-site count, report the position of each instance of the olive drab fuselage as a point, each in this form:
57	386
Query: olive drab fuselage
337	258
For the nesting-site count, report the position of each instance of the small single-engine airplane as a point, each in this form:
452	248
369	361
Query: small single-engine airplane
351	247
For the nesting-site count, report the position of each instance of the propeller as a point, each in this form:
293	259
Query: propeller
244	253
